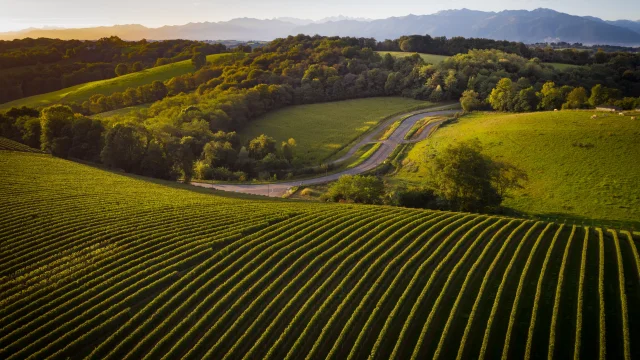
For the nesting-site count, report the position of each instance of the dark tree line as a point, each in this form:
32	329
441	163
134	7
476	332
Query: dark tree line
189	130
35	66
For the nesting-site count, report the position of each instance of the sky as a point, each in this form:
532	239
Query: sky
21	14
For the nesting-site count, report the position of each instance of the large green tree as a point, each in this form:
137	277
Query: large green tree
125	147
501	97
471	181
56	130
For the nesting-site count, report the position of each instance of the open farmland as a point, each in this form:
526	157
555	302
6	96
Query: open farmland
322	130
96	264
83	92
579	168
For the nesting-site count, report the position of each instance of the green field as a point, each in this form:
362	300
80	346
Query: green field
559	66
100	265
578	167
435	59
83	92
428	58
321	130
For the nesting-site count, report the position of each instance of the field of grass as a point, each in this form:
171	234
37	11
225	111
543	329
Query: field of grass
435	59
321	130
578	167
563	67
101	265
121	112
428	58
82	92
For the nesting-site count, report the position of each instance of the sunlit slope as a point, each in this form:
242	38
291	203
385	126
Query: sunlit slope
101	265
83	92
577	166
323	129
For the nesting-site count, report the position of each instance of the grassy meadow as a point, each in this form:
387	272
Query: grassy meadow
321	130
578	167
101	265
82	92
428	58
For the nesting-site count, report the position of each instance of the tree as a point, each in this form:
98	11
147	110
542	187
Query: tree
527	100
187	151
158	90
357	189
87	139
470	101
261	146
470	180
198	60
219	153
550	97
501	97
287	148
137	66
598	96
121	69
577	99
124	147
55	123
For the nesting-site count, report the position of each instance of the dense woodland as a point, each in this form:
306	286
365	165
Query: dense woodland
35	66
189	130
564	53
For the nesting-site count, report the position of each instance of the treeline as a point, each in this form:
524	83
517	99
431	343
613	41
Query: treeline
459	45
203	110
440	45
35	66
522	97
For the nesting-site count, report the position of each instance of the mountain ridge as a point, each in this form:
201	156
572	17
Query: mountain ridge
539	25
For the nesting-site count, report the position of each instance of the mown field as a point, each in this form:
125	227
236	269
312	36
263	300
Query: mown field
83	92
7	144
580	168
96	264
321	130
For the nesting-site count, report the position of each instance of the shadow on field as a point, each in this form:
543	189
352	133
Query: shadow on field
571	219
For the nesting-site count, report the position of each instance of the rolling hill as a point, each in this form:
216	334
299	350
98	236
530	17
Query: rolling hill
540	25
579	168
83	92
96	264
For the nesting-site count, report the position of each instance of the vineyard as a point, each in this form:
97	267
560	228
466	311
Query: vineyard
101	265
7	144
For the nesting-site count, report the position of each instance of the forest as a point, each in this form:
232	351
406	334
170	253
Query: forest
35	66
190	129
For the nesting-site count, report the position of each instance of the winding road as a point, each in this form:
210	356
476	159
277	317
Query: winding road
384	151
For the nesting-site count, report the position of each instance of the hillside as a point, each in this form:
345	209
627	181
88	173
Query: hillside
578	167
100	265
540	25
83	92
334	124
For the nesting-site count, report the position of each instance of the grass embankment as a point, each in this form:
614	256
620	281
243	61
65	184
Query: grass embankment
322	130
82	92
579	168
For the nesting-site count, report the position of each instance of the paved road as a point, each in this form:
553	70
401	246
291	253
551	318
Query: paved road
383	152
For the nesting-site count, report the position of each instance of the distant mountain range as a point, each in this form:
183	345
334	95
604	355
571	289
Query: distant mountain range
540	25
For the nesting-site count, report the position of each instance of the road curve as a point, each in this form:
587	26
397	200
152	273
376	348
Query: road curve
386	148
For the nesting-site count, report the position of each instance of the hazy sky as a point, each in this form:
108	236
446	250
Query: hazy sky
20	14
